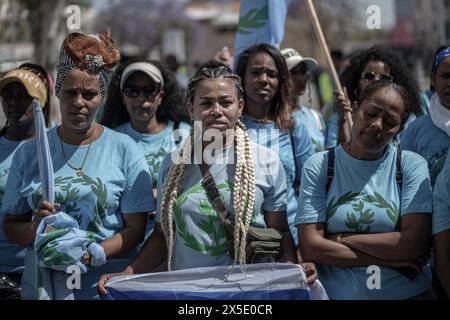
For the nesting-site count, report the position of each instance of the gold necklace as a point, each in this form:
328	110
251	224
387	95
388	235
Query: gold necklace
79	170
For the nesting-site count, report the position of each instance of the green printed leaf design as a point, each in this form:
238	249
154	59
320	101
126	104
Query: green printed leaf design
154	161
47	249
367	217
211	225
358	206
351	222
254	19
361	219
69	195
332	207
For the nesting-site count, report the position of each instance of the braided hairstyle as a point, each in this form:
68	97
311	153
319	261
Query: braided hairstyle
244	180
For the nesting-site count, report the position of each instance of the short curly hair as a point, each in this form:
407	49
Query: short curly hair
398	70
173	105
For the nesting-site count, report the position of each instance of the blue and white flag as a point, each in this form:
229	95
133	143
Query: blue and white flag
43	153
269	281
260	21
42	276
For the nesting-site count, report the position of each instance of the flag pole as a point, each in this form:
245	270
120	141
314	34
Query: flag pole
326	52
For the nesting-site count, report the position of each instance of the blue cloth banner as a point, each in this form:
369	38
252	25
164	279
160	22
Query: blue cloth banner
260	21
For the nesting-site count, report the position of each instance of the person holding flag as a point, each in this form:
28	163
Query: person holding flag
193	229
102	184
17	89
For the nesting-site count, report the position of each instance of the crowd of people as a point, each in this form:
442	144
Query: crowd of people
152	176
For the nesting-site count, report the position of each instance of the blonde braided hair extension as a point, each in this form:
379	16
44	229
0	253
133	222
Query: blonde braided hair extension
244	180
175	179
244	192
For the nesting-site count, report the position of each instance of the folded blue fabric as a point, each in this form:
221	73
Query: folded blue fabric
65	245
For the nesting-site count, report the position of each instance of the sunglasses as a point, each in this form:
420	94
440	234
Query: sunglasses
134	92
374	76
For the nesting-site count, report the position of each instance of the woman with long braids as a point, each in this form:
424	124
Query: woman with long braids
250	179
16	88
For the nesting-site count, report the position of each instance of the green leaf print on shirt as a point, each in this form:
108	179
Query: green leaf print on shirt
100	191
361	219
71	194
211	226
154	161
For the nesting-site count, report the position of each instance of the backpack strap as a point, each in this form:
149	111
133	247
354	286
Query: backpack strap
330	169
176	126
296	181
212	193
399	173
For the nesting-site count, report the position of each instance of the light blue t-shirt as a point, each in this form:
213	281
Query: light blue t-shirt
116	182
364	197
331	137
441	200
155	148
315	125
424	138
283	144
11	255
200	239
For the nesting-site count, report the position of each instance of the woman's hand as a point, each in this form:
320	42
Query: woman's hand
44	209
343	104
105	278
310	271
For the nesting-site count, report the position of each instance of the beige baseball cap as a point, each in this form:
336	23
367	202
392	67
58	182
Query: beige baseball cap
293	58
32	83
150	69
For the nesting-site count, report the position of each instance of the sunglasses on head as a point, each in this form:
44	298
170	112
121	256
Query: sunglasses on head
375	76
135	91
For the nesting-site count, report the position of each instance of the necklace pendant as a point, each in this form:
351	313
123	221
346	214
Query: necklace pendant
80	173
